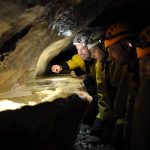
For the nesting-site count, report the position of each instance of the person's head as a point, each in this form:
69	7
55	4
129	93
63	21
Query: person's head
95	44
82	51
80	42
143	50
117	42
119	52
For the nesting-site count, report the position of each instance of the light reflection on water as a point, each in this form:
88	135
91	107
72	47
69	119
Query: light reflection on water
40	90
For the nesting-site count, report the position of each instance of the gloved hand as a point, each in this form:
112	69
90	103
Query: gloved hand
90	84
84	95
97	127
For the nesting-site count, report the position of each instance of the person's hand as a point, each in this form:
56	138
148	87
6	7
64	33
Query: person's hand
85	95
56	68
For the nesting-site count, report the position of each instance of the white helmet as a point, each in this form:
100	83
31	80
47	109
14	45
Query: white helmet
96	38
82	36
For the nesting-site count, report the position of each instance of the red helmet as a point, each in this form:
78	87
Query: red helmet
116	32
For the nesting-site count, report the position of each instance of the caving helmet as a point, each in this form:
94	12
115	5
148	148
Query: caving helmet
82	36
143	46
96	38
116	32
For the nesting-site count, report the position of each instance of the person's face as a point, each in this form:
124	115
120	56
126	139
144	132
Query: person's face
97	53
118	54
145	66
82	51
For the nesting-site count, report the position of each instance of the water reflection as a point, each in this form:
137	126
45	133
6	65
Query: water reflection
40	90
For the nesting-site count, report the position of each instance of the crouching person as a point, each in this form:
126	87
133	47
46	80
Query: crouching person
83	61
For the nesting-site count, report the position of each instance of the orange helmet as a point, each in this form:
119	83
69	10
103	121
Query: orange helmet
143	48
116	32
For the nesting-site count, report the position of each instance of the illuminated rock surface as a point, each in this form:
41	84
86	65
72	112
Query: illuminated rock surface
32	33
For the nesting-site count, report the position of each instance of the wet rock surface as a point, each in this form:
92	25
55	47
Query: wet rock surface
83	142
45	126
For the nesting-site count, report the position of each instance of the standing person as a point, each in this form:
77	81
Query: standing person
117	43
102	121
141	119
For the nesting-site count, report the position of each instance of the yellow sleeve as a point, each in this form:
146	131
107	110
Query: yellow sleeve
99	73
103	98
76	62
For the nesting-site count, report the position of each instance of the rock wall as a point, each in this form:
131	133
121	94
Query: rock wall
45	126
